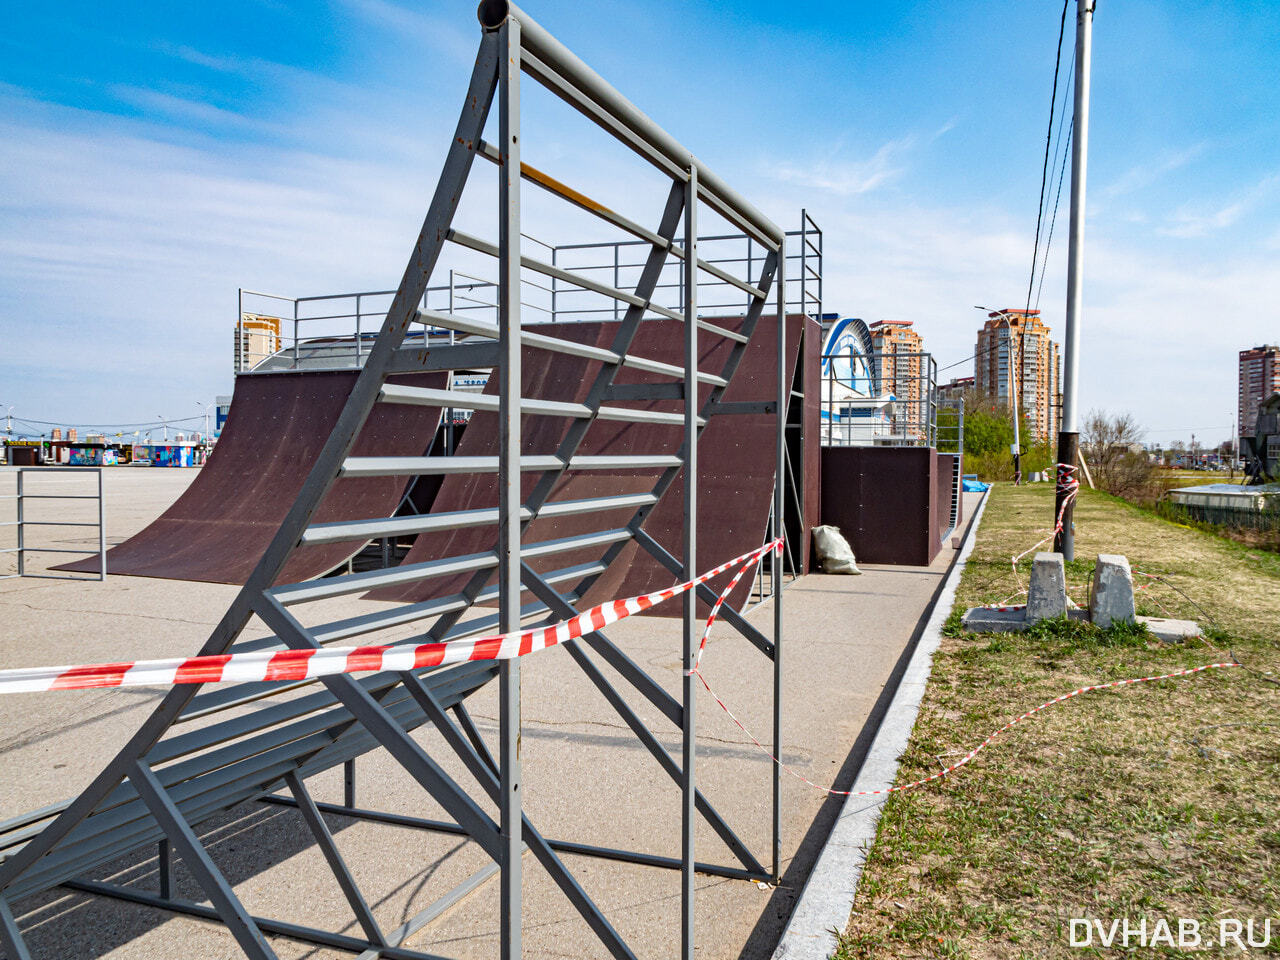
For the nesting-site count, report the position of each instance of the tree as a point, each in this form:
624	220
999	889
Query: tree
1112	445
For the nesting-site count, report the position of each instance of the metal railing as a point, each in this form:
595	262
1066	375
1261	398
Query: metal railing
329	331
892	400
21	521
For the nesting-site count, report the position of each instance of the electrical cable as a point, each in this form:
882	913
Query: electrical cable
1048	141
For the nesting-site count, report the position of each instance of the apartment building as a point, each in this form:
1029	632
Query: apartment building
1016	359
257	337
1259	378
898	356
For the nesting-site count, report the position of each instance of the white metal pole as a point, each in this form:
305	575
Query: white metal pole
1068	438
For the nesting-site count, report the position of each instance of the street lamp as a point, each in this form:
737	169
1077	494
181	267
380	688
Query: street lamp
207	408
1013	391
166	427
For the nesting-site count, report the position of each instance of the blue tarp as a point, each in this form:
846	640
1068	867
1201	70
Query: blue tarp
973	486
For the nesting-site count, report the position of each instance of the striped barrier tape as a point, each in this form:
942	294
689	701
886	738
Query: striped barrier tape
289	665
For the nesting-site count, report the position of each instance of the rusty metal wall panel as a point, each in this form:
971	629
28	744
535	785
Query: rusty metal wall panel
735	454
220	526
883	500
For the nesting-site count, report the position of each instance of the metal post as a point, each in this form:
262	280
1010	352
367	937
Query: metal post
349	783
688	814
295	334
617	277
509	473
22	569
450	437
1068	436
102	532
555	289
165	859
779	530
358	348
239	329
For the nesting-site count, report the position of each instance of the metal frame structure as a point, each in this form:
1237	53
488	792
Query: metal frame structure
914	422
21	522
348	315
170	776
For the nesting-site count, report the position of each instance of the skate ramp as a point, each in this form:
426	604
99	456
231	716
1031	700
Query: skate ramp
736	461
218	529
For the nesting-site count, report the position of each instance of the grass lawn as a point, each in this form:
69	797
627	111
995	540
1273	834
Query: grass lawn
1160	800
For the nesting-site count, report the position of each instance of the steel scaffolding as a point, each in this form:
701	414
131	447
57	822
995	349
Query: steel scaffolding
258	739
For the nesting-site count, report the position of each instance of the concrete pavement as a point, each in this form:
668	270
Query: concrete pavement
586	777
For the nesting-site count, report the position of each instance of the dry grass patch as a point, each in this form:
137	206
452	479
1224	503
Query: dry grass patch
1153	801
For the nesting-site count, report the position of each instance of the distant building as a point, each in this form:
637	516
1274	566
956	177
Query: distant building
1259	379
898	356
1015	355
257	337
954	389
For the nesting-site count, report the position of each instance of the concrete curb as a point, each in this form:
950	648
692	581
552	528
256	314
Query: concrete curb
827	899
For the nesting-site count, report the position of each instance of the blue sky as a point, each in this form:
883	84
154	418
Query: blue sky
155	157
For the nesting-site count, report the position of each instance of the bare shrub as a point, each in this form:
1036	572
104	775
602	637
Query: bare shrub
1112	445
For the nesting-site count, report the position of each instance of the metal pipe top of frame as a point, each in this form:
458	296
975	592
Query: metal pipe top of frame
493	13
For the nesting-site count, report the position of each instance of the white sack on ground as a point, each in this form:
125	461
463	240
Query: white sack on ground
834	552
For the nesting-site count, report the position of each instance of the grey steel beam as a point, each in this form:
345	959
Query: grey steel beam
779	530
292	931
645	391
689	558
555	344
564	276
542	589
458	356
10	935
528	338
407	752
323	473
727	613
727	372
430	397
561	846
436	910
495	785
228	906
324	839
509	465
590	85
423	466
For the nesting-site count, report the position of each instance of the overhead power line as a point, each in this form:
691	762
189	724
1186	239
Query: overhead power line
1048	142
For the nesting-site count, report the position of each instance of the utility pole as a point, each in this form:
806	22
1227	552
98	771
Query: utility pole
1068	434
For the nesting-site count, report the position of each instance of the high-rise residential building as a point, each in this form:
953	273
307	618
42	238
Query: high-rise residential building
1259	379
898	355
257	337
1017	359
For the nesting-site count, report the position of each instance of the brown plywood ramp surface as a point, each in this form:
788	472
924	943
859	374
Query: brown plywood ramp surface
219	528
736	457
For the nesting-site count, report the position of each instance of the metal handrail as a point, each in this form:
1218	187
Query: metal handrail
21	522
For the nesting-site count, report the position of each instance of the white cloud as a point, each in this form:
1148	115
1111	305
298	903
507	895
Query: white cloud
845	178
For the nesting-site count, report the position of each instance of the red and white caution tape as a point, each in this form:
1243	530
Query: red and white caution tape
1067	485
976	750
289	665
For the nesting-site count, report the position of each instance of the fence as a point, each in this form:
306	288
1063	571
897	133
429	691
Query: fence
327	331
21	521
882	399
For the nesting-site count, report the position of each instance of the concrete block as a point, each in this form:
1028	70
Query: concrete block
1047	594
1112	598
1171	631
994	620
